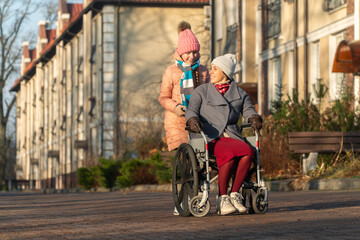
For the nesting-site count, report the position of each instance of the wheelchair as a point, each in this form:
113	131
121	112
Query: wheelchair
194	170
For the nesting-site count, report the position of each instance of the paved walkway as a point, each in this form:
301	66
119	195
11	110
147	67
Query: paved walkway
148	215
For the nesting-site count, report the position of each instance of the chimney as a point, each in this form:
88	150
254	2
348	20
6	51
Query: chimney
42	39
25	58
63	14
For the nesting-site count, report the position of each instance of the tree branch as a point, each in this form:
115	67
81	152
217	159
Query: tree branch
8	110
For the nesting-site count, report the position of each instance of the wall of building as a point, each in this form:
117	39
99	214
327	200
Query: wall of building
148	39
71	108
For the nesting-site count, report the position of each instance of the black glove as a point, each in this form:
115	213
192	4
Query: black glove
194	124
256	122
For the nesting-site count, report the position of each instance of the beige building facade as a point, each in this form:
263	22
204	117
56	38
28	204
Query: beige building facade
89	87
289	43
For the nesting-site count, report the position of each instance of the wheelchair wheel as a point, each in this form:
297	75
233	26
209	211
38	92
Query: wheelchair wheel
258	203
185	180
199	211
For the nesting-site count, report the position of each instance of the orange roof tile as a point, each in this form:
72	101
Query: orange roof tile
15	85
74	10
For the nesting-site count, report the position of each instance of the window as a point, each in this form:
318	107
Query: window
92	106
53	87
34	100
53	131
18	111
219	13
314	68
337	80
79	116
34	138
63	124
274	80
329	5
41	93
41	137
291	83
231	39
24	111
63	80
274	17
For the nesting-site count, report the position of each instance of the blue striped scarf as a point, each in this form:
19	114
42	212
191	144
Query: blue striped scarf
186	82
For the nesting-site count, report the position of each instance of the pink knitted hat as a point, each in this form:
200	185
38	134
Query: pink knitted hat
187	42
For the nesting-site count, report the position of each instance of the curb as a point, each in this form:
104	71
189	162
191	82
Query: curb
273	186
304	184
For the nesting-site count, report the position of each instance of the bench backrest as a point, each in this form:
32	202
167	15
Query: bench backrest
325	142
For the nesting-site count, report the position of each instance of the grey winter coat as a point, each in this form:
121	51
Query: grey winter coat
220	113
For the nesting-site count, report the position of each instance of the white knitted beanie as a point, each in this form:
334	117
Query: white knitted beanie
226	63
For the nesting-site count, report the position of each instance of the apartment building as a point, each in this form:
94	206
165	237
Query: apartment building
89	87
288	43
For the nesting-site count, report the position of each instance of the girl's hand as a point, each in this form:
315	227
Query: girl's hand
179	110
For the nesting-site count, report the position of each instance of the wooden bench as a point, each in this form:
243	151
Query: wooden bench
324	142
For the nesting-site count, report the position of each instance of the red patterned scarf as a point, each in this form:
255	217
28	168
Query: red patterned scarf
222	88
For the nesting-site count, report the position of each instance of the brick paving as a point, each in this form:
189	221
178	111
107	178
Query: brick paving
148	215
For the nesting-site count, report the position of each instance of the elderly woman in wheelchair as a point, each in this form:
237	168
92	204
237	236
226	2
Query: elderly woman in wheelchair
212	115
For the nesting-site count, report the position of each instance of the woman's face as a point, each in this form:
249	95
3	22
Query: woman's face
217	75
190	57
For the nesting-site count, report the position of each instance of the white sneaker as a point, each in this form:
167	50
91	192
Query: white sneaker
224	205
176	213
236	200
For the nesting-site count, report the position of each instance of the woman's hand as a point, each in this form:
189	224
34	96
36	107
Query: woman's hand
194	124
179	110
256	122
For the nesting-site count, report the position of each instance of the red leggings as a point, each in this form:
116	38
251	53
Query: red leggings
232	156
238	166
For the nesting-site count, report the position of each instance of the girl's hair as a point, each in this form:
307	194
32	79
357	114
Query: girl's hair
196	78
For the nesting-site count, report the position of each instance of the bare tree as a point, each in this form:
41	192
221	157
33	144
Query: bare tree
49	11
13	17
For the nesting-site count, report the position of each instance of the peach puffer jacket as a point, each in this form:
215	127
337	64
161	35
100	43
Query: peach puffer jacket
170	97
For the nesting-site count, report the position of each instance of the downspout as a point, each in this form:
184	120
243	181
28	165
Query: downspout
117	83
356	37
212	30
306	17
258	57
239	35
264	64
295	58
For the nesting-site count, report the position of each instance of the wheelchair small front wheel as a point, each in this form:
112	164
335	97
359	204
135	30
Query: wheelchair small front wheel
259	205
199	211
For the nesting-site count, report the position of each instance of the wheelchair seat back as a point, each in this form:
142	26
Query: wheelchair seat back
197	144
251	140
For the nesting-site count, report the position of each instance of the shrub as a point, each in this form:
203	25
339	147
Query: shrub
86	178
293	115
275	157
150	171
338	166
109	171
135	172
160	170
341	116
